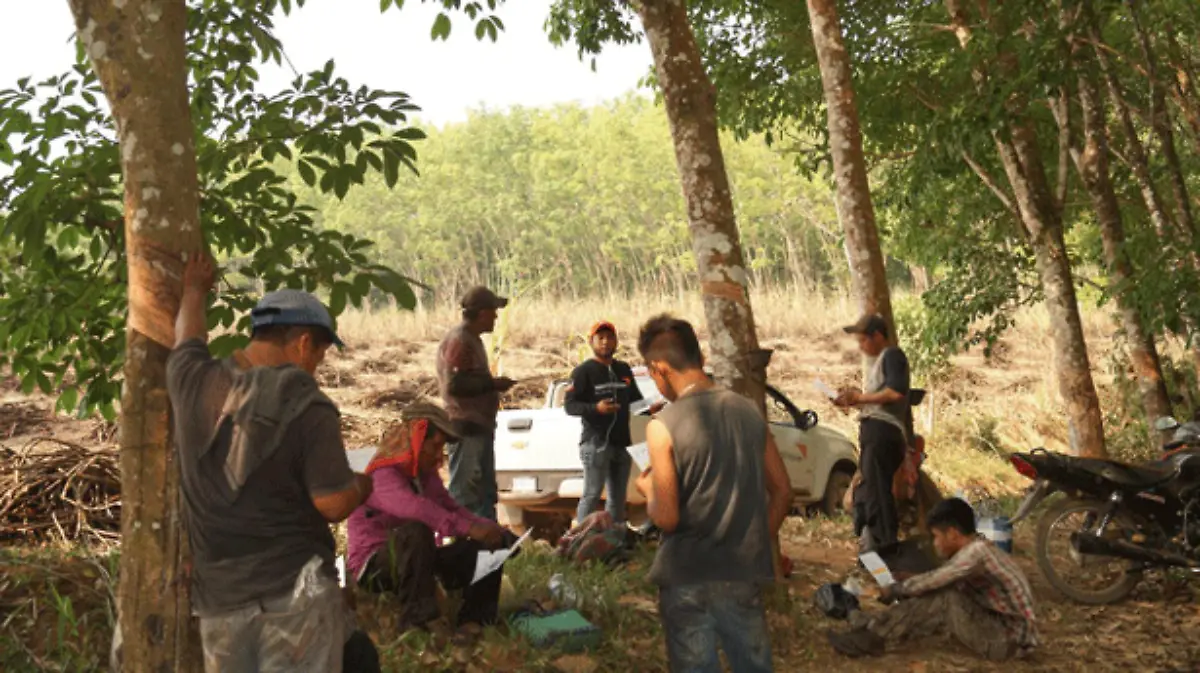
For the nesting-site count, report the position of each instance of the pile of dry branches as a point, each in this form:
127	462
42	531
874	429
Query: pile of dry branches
54	490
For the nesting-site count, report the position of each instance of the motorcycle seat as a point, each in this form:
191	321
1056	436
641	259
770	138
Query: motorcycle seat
1132	476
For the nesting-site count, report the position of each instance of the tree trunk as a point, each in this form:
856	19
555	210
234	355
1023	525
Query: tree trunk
1160	123
1026	173
1139	165
1093	165
1021	157
137	50
690	100
854	207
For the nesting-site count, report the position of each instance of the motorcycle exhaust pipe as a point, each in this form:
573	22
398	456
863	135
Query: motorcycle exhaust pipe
1099	546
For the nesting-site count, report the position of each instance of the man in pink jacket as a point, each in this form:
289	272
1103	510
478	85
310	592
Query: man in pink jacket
394	537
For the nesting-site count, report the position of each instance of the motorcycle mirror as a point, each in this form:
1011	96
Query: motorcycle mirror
1165	423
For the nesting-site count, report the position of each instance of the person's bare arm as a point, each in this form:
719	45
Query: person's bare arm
853	398
337	507
663	495
191	321
779	487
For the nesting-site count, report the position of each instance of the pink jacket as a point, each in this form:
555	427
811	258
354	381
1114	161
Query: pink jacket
394	501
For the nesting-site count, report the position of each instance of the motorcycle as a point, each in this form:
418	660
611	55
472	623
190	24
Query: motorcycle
1116	520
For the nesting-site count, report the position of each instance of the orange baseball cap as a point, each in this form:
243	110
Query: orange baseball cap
600	326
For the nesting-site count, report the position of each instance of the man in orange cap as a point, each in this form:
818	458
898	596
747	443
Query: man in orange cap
601	392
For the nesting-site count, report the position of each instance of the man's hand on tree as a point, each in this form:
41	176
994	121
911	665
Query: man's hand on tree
199	273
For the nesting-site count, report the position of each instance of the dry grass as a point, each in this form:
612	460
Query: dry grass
978	411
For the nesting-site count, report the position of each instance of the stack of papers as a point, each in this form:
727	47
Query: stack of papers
489	562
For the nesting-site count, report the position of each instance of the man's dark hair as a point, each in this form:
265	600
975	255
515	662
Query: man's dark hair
952	513
470	314
671	340
285	334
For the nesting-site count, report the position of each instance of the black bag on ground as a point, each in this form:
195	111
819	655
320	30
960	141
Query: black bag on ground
833	600
359	654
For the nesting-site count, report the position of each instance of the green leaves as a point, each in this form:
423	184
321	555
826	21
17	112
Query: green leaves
486	24
62	265
441	28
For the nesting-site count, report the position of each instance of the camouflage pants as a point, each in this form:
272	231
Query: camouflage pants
299	631
948	612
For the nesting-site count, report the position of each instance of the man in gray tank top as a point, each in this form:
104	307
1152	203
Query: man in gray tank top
718	490
885	428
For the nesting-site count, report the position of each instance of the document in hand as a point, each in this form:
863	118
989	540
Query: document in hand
877	568
489	562
640	453
824	389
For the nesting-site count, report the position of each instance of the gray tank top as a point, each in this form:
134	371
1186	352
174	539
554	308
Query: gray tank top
719	439
898	414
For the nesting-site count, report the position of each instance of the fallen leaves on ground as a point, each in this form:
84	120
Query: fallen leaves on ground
576	663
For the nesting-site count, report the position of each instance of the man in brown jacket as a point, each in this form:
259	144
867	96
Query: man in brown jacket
472	398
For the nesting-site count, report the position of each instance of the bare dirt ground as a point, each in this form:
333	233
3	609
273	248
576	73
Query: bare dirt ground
1152	631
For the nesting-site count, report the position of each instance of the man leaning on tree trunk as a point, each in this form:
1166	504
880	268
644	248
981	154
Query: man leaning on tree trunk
264	473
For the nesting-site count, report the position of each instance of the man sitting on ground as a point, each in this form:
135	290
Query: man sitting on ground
392	547
979	596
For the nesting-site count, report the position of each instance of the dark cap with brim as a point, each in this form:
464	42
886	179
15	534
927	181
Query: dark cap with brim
868	324
428	411
293	308
481	299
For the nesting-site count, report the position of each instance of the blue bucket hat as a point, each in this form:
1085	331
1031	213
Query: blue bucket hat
293	308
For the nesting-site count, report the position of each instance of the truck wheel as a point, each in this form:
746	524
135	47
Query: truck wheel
835	492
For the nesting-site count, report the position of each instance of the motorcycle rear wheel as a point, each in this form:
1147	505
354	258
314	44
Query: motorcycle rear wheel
1063	517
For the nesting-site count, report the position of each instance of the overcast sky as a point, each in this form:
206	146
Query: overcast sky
385	51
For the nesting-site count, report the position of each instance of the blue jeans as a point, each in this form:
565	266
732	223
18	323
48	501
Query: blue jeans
604	464
473	474
698	617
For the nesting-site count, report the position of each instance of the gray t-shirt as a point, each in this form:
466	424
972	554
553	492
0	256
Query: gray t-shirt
720	441
890	370
251	545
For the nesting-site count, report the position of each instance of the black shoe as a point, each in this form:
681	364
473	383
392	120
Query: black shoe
856	643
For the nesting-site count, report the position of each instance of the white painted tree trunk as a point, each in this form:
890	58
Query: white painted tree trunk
690	100
137	50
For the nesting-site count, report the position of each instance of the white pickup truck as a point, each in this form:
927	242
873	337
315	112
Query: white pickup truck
540	477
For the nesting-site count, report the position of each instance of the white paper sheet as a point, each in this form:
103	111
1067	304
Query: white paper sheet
360	458
825	389
489	561
878	569
639	406
640	453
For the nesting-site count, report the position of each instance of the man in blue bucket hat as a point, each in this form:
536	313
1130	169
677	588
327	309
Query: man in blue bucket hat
979	596
264	472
